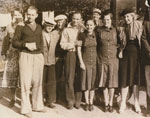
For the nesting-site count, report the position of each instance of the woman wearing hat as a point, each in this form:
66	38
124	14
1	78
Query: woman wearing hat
129	62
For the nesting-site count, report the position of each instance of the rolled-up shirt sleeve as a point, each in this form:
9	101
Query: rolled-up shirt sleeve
65	42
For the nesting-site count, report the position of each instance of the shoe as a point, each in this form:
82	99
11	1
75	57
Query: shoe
86	107
148	115
12	103
137	109
91	108
111	109
51	105
122	108
77	106
28	115
70	107
106	108
42	111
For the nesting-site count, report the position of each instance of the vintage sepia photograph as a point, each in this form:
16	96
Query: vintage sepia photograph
74	58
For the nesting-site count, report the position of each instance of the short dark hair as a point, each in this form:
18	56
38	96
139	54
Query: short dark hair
33	8
107	12
77	12
89	19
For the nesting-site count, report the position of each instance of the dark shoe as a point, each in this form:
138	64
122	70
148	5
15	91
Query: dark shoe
86	107
70	107
12	103
42	111
106	109
91	108
77	106
148	115
28	115
111	109
51	105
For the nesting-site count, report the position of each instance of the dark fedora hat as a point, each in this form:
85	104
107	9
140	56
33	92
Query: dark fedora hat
127	11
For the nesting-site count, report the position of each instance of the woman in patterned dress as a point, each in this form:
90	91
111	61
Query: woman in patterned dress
87	54
11	74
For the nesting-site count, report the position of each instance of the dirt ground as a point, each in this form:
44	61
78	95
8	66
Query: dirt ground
61	112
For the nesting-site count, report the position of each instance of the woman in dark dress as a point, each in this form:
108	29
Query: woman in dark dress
108	62
129	62
87	54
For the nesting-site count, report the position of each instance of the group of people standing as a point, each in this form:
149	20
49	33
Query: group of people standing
90	55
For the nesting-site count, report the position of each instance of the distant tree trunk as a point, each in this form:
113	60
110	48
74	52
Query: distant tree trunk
95	3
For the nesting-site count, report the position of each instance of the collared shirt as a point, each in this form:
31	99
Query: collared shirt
134	31
69	37
107	42
47	37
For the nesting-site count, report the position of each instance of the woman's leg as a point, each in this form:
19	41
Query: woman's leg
92	93
111	96
86	94
106	99
136	99
124	92
106	96
13	95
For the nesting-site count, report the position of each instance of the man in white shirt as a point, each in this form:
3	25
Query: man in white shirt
69	42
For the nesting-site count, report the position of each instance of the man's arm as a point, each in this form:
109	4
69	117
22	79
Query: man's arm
41	44
65	43
144	39
17	42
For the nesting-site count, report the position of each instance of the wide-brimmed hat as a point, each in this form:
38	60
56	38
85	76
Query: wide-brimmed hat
96	10
49	22
60	17
127	11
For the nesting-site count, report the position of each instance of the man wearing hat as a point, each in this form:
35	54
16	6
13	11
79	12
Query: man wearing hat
96	15
129	62
49	76
61	21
